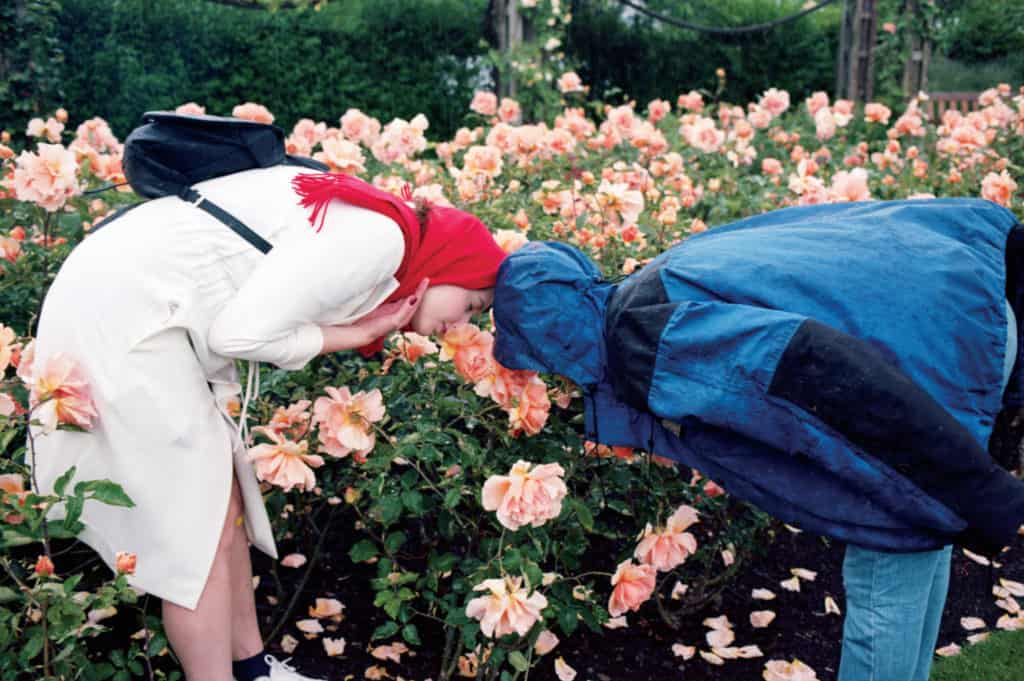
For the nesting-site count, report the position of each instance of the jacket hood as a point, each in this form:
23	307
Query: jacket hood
549	308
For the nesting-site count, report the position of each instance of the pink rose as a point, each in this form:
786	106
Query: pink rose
253	112
60	394
345	421
525	496
670	546
507	609
484	103
48	178
284	463
632	586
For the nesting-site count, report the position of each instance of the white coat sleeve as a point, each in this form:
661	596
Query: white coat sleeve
273	316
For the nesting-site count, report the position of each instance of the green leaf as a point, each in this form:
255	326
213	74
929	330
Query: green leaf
394	541
7	594
568	620
62	481
73	511
585	516
158	643
452	497
390	509
107	492
619	506
384	631
518	660
392	607
413	501
33	647
362	551
411	635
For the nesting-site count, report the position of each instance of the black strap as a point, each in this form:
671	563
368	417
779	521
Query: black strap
118	213
190	195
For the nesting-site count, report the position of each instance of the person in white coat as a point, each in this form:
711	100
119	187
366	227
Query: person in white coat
157	306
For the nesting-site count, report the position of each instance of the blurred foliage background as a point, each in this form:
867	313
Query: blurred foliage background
117	58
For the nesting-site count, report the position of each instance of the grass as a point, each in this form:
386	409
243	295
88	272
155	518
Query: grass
1000	658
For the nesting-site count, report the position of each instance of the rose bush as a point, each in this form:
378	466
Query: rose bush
463	484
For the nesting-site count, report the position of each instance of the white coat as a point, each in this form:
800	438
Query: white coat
155	308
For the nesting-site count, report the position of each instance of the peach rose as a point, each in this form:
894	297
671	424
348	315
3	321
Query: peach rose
48	178
703	135
619	201
850	186
251	111
692	101
530	410
412	346
341	155
345	421
570	82
483	159
527	495
631	586
190	109
358	127
657	109
44	567
284	463
60	394
771	166
877	113
774	101
292	421
484	103
510	240
124	563
998	188
509	111
670	546
507	609
816	102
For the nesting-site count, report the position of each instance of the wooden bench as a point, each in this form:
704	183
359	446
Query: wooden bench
939	102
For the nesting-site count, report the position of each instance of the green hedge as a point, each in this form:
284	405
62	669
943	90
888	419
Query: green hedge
646	59
396	58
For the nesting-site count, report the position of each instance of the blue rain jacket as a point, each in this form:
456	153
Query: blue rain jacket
838	366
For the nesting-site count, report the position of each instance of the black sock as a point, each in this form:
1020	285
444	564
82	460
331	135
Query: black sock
250	668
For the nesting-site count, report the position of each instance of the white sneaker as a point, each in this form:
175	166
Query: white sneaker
282	671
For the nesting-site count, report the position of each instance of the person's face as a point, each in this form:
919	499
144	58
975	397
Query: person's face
445	306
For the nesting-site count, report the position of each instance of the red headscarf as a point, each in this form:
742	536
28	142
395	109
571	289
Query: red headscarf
453	247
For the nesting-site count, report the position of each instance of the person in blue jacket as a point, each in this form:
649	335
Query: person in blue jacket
839	366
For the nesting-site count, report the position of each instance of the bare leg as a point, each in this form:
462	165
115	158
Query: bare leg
245	631
203	638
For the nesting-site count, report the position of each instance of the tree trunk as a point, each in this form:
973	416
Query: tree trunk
915	71
860	82
843	55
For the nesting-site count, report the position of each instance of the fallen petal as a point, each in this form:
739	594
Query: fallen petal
972	623
712	658
761	618
791	584
685	652
948	651
980	560
763	594
830	606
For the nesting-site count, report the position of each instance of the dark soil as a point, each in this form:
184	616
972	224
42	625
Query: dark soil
643	650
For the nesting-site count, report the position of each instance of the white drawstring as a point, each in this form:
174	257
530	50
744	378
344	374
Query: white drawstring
252	389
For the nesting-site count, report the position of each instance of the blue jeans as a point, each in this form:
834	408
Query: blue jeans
894	601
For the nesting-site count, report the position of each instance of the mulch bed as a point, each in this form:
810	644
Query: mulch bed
643	650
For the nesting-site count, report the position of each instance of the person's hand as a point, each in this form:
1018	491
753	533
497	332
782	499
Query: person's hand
383	320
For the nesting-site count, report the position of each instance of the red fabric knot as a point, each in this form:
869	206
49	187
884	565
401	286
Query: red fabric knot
450	247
